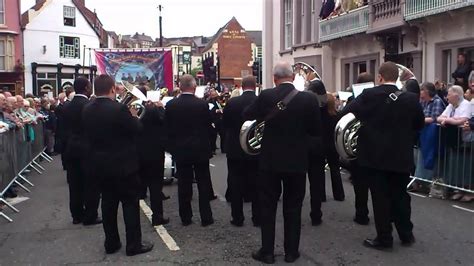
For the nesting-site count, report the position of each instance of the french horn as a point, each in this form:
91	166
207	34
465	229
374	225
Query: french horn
251	132
347	128
133	98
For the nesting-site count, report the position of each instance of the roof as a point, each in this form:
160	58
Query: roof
256	36
218	35
142	37
25	17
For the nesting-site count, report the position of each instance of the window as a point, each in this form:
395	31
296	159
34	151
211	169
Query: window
7	49
69	47
313	6
288	12
3	55
2	12
46	84
69	16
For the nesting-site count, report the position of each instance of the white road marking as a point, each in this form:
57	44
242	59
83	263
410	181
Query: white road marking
223	199
418	195
212	165
462	208
14	201
160	230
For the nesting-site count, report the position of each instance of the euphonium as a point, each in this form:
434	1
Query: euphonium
132	100
347	128
251	132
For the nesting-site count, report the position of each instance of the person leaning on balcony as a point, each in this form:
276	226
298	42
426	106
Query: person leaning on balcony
458	110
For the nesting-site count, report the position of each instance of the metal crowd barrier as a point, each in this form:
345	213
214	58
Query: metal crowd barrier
454	167
20	150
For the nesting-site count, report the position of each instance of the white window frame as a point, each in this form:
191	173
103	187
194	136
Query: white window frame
288	23
72	51
2	13
69	12
8	55
3	57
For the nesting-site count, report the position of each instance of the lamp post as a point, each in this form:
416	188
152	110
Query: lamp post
161	30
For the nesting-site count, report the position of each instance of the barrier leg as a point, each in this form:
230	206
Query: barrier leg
46	157
9	205
34	168
411	182
21	185
26	180
39	165
6	217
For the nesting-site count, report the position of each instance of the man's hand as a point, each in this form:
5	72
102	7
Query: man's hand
218	111
134	111
466	126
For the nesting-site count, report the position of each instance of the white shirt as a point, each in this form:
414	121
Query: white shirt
464	110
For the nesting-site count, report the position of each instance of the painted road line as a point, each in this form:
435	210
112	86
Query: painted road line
418	195
212	165
462	208
160	230
16	200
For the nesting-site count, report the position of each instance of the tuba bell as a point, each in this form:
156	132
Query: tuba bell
347	128
133	99
251	132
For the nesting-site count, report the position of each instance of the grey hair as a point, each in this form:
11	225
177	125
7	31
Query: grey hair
187	82
458	90
283	69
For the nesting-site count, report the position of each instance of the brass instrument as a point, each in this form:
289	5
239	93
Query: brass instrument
347	128
251	132
132	99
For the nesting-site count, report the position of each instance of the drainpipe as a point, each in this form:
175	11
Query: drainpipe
424	45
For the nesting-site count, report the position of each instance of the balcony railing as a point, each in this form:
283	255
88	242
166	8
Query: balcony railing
385	14
422	8
353	22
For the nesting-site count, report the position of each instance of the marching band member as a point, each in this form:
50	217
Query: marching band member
111	129
283	158
187	121
390	120
83	190
242	167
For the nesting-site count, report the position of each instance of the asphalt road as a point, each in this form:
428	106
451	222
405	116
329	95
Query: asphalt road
42	233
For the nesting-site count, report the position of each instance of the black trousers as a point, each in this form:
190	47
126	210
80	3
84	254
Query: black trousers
269	189
391	202
151	175
336	181
316	177
186	172
124	190
243	175
361	190
84	194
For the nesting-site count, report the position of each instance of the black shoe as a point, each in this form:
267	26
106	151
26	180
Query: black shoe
207	223
316	222
292	257
408	241
361	221
376	244
256	222
237	223
145	247
160	221
94	222
265	258
76	221
164	197
186	222
114	249
213	197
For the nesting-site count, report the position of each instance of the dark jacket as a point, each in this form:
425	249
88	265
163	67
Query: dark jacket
151	139
187	121
76	145
285	143
232	122
386	137
111	130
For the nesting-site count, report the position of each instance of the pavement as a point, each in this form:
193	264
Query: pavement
42	232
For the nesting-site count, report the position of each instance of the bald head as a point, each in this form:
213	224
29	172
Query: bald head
249	83
283	72
3	101
11	104
19	101
7	94
187	83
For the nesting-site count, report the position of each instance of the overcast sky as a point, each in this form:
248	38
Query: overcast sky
180	17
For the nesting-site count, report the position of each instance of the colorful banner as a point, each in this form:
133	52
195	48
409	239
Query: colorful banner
152	68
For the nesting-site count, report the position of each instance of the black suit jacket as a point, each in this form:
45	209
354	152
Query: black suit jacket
388	130
111	131
187	121
285	144
76	145
151	139
232	122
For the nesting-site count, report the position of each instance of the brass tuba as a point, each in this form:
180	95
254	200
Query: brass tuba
251	132
347	128
133	99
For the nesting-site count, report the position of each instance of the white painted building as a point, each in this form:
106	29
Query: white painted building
58	41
